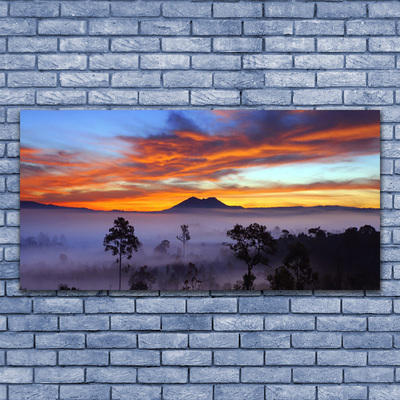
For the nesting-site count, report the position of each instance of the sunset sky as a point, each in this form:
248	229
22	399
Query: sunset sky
147	160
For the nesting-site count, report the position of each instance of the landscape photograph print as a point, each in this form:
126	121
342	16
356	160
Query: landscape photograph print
200	200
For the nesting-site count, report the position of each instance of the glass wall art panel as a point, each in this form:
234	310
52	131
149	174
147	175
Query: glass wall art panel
200	200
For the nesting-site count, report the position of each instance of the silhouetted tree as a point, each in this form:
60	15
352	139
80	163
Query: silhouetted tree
162	247
253	245
184	237
141	279
192	282
282	279
121	240
298	260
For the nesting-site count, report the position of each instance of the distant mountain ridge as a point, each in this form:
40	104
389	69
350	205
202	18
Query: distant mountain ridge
211	203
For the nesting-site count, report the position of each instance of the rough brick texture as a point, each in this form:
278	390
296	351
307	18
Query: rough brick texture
202	54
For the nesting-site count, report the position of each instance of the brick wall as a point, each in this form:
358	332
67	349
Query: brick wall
218	345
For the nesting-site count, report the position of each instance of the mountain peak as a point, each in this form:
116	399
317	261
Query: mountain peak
194	202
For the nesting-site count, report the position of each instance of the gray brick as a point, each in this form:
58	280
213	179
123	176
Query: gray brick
335	392
15	306
368	97
194	45
153	97
345	10
217	27
187	323
83	79
381	392
268	28
135	357
320	305
163	375
368	374
165	28
317	96
386	323
135	44
113	27
214	375
370	61
113	61
290	392
238	357
85	9
187	79
137	392
262	96
111	375
318	27
342	78
341	45
32	323
3	13
215	62
87	45
239	80
287	45
316	340
213	305
135	322
11	132
136	79
83	357
384	357
136	9
239	10
163	340
239	392
16	375
319	61
289	79
109	306
215	97
164	61
16	340
84	322
289	323
61	61
17	61
387	44
317	375
342	358
341	323
57	306
288	10
31	357
214	340
186	357
32	79
37	392
384	78
59	375
61	27
179	392
111	340
237	45
266	61
94	391
19	26
266	340
365	27
31	45
289	357
36	9
181	9
367	306
262	374
242	323
382	10
367	341
61	97
264	305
